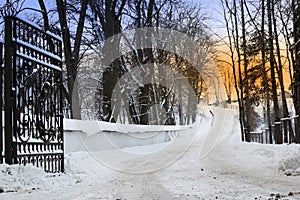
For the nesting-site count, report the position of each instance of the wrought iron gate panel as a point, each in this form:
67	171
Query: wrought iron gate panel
36	96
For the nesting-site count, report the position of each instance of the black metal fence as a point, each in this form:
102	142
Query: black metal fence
32	129
286	129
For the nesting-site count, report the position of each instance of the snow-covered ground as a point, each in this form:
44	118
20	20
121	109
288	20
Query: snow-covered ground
210	164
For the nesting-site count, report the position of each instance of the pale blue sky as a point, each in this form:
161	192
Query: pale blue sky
212	7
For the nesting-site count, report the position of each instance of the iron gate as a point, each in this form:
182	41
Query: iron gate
32	79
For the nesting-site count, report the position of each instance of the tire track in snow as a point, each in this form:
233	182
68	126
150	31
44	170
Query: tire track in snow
215	132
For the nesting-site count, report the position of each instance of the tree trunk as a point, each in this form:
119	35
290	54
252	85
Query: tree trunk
109	17
265	75
278	135
245	85
72	54
285	111
296	67
233	46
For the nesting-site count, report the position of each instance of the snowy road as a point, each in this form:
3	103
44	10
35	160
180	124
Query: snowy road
214	166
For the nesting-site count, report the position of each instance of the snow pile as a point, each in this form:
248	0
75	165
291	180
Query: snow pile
82	166
17	178
291	166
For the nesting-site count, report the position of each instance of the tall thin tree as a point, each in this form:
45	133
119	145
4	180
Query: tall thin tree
296	67
72	51
278	135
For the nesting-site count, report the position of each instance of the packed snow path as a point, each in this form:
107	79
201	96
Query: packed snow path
215	166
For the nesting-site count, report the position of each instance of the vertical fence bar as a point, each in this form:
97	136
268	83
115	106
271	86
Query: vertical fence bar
272	134
267	135
8	91
14	90
290	130
294	128
284	129
278	133
1	102
297	129
61	101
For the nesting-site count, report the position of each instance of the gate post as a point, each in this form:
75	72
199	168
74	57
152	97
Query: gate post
1	103
8	91
61	101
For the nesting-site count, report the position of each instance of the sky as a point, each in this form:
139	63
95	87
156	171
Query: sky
212	7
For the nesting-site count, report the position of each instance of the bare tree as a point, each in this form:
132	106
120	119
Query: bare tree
265	75
72	49
279	69
231	23
270	6
245	83
106	22
296	67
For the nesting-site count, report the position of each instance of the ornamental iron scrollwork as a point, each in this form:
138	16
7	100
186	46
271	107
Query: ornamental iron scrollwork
37	100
